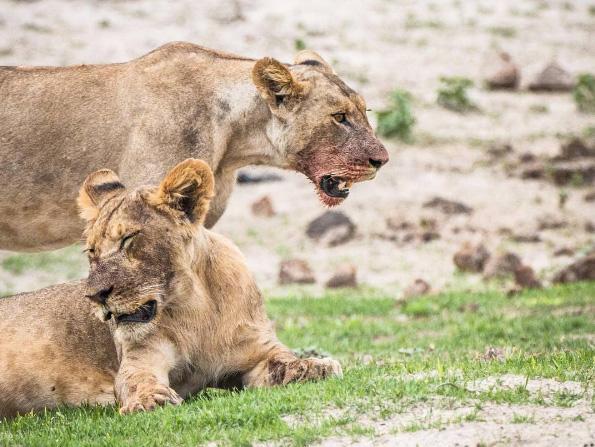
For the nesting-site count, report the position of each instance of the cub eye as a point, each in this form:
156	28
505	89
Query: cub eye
89	250
340	117
126	240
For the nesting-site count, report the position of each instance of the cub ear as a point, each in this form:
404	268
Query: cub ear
309	57
97	188
275	82
188	188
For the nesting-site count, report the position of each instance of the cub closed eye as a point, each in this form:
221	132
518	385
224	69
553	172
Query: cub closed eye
340	118
126	240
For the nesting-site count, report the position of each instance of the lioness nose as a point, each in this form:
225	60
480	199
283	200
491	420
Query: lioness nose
376	163
101	296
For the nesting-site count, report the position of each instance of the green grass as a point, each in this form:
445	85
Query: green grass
397	119
424	351
584	93
69	260
453	94
299	44
503	31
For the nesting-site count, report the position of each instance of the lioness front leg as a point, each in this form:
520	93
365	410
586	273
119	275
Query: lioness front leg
283	367
142	382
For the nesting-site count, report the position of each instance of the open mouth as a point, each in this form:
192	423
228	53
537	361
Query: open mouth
336	187
143	314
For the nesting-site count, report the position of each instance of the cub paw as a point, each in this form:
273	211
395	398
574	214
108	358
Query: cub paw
323	368
148	397
303	370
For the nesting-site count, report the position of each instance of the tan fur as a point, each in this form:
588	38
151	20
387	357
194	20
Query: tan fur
210	326
140	117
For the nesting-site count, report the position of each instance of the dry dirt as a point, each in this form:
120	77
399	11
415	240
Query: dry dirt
378	45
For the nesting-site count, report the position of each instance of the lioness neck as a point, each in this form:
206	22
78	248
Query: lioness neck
218	88
248	123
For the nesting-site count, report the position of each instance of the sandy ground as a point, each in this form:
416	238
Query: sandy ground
445	423
376	46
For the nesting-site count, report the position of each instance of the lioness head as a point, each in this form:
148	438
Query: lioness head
140	242
320	124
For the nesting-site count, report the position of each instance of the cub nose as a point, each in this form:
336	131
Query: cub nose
101	296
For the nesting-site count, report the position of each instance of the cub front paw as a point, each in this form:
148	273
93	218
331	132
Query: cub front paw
323	368
330	367
148	396
282	373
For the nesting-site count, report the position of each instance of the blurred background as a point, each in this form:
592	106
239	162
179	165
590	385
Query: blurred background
487	109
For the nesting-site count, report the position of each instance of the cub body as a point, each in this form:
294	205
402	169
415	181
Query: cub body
181	311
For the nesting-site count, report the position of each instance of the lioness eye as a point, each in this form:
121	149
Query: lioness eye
340	118
125	242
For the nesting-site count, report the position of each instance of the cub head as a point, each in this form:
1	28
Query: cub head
320	124
141	242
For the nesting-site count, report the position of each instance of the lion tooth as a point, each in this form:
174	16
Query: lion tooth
342	185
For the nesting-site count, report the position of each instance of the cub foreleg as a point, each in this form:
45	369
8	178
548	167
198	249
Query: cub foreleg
142	382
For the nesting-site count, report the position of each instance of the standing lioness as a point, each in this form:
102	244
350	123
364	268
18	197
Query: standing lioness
183	311
179	101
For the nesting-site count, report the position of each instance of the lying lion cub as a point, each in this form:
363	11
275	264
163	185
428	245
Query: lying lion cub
182	310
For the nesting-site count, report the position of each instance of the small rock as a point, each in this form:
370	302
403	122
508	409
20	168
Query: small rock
505	76
448	206
589	197
590	227
501	265
526	237
575	148
581	270
550	222
569	172
245	177
505	231
263	207
296	271
527	157
553	78
524	277
419	287
499	150
493	353
471	258
429	236
397	223
344	276
409	237
533	170
331	228
564	251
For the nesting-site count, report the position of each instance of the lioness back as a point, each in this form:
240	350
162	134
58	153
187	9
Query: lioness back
53	351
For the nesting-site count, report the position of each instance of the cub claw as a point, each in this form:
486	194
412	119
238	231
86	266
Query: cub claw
148	399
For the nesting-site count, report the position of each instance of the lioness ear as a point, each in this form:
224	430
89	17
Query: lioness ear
188	188
97	188
275	82
309	57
